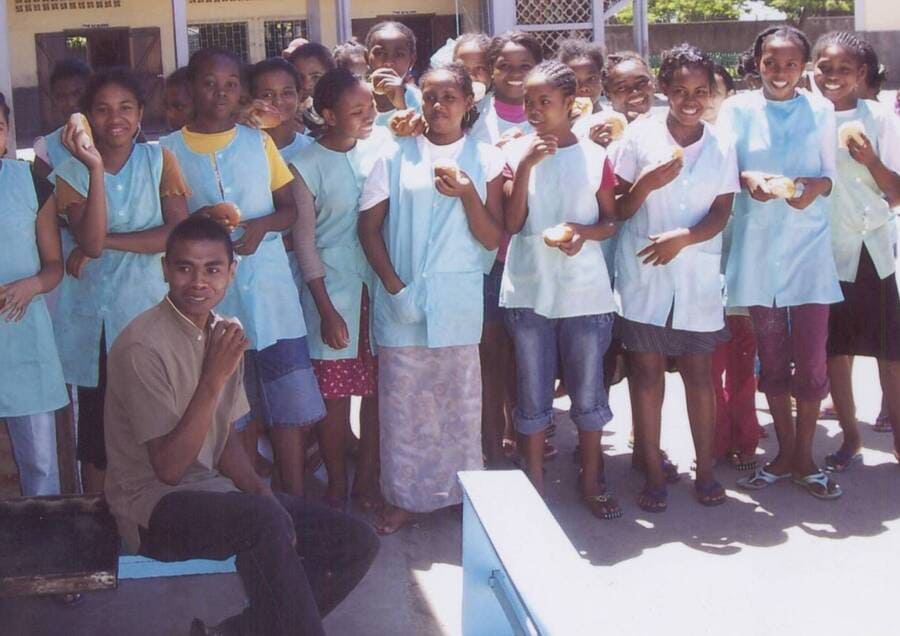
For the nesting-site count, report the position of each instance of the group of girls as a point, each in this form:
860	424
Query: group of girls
435	294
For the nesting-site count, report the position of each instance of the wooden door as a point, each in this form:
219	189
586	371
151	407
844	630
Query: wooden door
51	48
146	61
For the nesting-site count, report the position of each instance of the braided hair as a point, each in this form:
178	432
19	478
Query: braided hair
685	56
558	75
787	32
876	75
331	87
574	49
525	40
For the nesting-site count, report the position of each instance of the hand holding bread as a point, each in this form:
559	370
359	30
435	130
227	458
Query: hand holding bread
407	123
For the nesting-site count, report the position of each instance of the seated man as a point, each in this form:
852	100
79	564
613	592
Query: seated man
179	482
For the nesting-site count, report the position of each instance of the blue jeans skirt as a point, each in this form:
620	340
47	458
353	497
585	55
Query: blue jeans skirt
578	344
281	386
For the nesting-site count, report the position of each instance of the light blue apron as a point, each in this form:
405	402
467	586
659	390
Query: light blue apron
31	378
263	295
780	256
335	180
434	253
118	286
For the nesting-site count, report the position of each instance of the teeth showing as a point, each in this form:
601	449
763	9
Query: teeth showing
780	84
832	87
690	111
637	101
515	82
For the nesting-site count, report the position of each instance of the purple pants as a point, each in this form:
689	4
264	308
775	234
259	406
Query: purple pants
797	335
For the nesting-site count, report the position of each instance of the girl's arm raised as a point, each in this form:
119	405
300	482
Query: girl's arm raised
369	226
483	218
88	220
515	210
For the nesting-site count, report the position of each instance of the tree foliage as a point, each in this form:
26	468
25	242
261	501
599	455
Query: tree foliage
687	11
799	10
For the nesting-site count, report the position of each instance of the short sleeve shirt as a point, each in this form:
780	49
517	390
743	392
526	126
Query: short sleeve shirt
153	371
211	143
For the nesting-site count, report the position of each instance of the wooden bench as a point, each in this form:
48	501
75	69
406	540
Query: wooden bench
69	544
521	574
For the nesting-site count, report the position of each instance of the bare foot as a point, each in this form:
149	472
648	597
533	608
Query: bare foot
392	519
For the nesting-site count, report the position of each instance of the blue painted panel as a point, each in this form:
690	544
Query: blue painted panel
140	567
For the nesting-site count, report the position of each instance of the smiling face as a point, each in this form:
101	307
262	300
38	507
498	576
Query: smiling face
588	75
472	56
630	89
780	68
443	103
115	116
689	95
391	49
838	75
216	89
278	89
509	71
198	274
311	71
353	114
546	105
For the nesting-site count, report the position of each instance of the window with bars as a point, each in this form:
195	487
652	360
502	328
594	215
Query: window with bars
558	12
223	35
279	34
31	6
550	39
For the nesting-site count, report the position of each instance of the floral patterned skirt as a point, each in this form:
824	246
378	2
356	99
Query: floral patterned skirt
429	405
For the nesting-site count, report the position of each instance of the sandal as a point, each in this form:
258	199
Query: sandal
653	499
761	478
734	459
841	460
883	424
820	479
710	494
399	519
669	469
602	506
550	451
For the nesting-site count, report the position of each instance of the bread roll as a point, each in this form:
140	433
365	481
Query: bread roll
677	152
401	122
265	116
782	187
557	235
581	107
449	168
616	121
83	136
854	130
226	213
479	90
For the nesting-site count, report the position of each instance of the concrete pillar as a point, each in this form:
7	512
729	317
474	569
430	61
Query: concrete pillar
598	17
179	18
343	11
503	16
641	29
5	75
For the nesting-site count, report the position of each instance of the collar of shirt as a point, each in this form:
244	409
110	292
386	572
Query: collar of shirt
187	325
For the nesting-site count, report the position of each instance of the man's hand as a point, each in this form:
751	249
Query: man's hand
224	353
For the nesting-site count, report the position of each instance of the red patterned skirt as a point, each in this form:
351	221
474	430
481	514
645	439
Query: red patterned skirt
352	376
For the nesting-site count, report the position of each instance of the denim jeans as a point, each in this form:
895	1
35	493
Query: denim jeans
33	440
579	344
290	588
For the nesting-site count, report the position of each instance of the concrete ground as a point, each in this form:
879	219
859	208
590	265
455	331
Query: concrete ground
776	561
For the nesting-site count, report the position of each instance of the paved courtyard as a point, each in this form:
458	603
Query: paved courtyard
772	562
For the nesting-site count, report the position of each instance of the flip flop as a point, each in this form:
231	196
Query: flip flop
658	499
669	469
809	482
841	461
883	424
761	478
710	494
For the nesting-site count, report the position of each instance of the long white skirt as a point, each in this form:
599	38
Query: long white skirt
429	404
